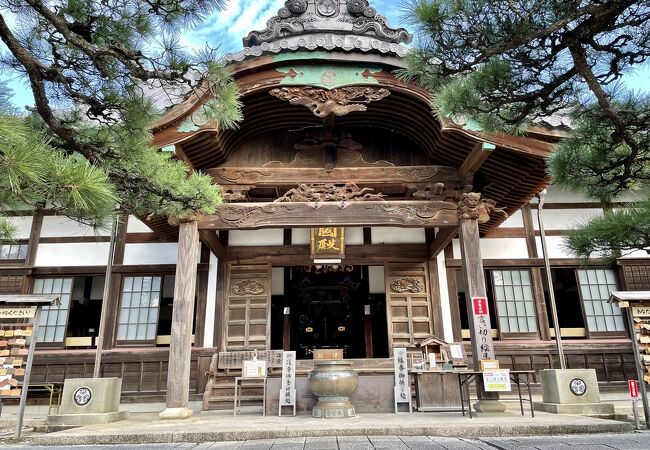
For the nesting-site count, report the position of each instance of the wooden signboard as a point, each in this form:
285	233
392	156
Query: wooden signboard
402	382
327	243
288	388
641	321
482	328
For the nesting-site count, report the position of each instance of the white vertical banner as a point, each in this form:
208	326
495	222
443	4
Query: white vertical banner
288	389
402	384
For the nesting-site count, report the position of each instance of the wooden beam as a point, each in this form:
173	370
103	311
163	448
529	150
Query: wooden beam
181	155
211	240
473	162
273	176
443	237
242	216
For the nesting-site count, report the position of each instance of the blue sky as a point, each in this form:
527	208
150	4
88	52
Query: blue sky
226	30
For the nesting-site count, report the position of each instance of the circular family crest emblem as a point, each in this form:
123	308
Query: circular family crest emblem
82	396
327	8
578	386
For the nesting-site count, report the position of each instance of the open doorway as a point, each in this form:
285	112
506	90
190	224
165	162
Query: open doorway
330	307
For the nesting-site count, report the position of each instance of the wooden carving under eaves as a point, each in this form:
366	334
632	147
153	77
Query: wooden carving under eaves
323	102
417	213
248	287
407	284
330	192
472	206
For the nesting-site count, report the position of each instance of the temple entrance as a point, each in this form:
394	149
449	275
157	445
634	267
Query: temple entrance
328	306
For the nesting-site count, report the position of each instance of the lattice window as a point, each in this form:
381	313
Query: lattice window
515	302
139	309
53	319
595	288
13	251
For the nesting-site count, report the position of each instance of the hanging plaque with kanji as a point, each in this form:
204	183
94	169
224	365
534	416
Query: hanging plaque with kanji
328	243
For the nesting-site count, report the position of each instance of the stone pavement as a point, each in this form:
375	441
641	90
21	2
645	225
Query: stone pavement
629	441
222	426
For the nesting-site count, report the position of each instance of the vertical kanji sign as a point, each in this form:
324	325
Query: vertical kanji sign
633	385
482	328
402	382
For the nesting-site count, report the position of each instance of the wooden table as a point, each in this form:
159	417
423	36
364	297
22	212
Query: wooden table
466	377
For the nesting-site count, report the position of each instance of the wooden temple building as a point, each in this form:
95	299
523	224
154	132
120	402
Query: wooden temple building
353	218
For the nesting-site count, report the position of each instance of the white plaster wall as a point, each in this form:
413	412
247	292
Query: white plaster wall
503	248
78	254
277	281
23	226
445	306
253	238
211	303
135	225
516	220
396	235
150	253
556	194
555	246
565	219
59	226
376	282
300	236
354	236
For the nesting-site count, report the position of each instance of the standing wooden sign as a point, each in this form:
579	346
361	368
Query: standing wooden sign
327	243
288	388
402	382
18	328
482	328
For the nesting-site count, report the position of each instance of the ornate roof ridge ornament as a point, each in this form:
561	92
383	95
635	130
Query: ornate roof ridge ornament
323	102
328	24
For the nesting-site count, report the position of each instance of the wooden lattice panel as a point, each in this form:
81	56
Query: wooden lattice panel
248	308
408	304
637	277
11	284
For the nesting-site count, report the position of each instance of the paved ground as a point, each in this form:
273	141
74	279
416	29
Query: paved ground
629	441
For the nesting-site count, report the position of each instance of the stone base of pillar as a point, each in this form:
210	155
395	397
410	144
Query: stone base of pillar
176	413
489	406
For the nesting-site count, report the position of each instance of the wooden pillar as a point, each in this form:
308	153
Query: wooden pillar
286	329
115	292
367	322
536	275
180	349
32	248
470	246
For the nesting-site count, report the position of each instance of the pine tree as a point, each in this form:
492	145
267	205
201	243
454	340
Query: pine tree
504	64
96	70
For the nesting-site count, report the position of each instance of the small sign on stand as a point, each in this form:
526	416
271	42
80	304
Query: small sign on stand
402	382
497	380
633	385
288	388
